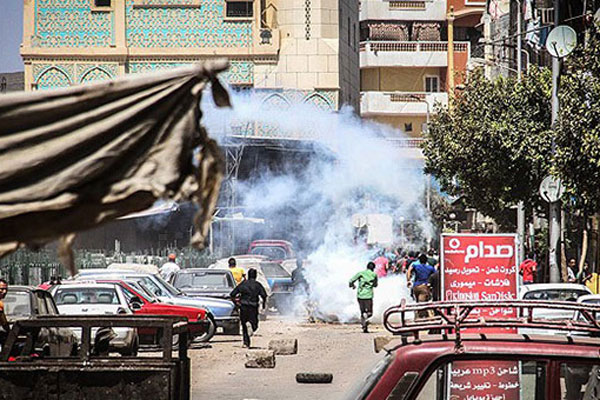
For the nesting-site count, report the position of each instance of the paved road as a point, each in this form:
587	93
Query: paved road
218	372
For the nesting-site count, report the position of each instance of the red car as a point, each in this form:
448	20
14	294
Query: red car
486	365
142	303
275	250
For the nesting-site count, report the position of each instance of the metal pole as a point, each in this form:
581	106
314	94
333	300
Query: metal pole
451	51
520	205
554	222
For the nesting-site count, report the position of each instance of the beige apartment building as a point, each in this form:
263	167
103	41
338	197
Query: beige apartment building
412	56
288	50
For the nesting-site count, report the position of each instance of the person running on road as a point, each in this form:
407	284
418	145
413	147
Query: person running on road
238	273
169	268
249	292
421	290
367	280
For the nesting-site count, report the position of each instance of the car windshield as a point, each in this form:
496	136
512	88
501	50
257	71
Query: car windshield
66	296
555	294
17	304
273	270
274	253
167	286
202	280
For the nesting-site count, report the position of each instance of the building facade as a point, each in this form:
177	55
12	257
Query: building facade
412	55
294	50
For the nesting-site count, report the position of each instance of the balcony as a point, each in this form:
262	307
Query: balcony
399	103
408	54
423	10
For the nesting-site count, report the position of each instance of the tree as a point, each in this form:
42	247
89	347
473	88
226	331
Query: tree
493	146
578	131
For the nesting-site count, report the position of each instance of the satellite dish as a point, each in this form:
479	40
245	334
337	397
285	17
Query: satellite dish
551	189
359	220
561	41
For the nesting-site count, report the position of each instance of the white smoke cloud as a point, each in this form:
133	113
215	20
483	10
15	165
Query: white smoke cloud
358	171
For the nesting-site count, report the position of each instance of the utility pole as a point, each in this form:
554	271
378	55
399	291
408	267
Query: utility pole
450	18
554	222
520	205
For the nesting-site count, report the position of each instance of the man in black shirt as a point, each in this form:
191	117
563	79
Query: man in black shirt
249	291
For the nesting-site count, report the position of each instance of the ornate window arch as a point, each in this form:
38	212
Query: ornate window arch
52	77
276	100
319	101
95	74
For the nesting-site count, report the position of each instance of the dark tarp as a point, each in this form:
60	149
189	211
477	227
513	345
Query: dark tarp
71	159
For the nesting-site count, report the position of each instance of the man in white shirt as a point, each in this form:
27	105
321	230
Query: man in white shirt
169	268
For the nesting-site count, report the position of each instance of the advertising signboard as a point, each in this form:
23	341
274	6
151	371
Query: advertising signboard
481	267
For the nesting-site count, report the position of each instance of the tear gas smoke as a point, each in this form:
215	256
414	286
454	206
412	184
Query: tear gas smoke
355	169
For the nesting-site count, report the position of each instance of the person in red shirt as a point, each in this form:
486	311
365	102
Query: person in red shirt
528	269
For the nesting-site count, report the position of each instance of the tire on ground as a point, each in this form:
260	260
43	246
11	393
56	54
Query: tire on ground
314	377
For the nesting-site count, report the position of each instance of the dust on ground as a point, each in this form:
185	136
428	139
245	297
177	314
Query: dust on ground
218	371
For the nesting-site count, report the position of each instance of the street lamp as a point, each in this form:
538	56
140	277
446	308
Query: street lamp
420	100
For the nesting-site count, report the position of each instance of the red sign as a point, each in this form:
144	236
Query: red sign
481	267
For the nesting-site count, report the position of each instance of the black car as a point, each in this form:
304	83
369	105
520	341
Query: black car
23	302
205	282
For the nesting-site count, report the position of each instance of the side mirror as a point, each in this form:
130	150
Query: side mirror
135	304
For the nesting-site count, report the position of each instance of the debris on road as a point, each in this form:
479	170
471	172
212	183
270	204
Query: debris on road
381	341
284	346
260	359
314	377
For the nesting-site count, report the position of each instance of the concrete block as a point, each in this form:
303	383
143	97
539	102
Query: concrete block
284	346
381	341
260	359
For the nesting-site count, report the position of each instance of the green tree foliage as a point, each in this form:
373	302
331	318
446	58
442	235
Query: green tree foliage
578	132
493	145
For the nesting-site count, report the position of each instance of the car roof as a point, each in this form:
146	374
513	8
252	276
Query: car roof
21	288
430	347
586	297
553	286
88	285
208	270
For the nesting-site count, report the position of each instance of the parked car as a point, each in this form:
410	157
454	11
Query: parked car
221	313
98	299
143	303
216	283
23	302
503	366
281	284
274	250
246	262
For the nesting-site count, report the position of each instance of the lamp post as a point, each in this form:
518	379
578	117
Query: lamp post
428	182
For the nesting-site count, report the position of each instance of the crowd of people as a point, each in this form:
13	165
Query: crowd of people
421	271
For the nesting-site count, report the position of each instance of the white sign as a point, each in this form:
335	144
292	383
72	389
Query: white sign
551	189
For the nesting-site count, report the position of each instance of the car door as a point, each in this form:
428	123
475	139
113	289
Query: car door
509	379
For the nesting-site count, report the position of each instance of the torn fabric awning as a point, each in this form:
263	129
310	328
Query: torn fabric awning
74	158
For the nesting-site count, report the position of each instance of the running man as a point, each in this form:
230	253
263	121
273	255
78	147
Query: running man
367	280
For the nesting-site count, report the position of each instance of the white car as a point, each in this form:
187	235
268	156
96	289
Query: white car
98	299
552	292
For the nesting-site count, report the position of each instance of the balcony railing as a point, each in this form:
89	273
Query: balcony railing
400	103
393	46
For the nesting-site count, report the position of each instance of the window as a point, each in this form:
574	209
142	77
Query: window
408	127
524	380
86	296
432	84
579	381
102	3
17	304
238	9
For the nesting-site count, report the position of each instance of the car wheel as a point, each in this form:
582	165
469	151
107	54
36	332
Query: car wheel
232	330
210	330
313	377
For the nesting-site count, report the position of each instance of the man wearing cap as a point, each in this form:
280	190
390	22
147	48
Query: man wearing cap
169	268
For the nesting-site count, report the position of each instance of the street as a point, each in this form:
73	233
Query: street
218	372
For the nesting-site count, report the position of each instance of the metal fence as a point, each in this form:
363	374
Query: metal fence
27	267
